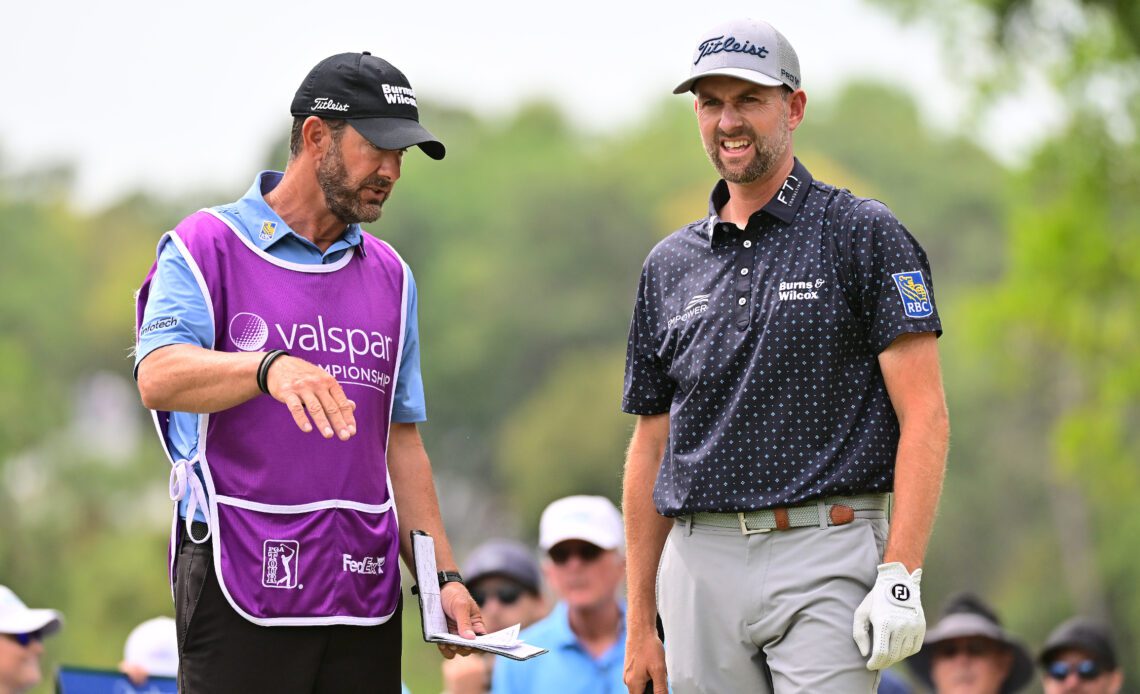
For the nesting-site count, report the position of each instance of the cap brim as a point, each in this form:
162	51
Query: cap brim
398	133
46	621
1020	671
739	73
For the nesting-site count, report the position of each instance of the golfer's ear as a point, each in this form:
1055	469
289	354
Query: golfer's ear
315	136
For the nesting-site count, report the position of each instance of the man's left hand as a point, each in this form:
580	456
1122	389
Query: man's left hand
891	614
463	617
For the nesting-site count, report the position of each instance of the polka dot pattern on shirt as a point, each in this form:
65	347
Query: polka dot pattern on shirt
761	343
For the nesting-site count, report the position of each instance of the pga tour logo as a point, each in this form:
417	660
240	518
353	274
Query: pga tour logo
915	297
279	565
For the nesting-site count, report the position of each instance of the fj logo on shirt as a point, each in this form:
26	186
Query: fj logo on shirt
787	192
696	306
268	229
373	566
915	297
800	291
279	565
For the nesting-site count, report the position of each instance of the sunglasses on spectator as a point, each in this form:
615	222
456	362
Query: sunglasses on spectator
971	647
25	640
561	553
506	595
1086	670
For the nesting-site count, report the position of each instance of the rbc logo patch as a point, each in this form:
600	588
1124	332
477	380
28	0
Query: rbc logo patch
915	297
268	229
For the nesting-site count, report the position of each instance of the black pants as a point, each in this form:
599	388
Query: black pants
220	651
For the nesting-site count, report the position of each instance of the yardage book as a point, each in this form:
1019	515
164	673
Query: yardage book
504	642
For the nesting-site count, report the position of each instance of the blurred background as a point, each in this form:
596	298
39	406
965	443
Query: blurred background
1002	132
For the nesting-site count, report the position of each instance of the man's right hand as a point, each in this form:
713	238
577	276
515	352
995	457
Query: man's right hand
310	392
645	661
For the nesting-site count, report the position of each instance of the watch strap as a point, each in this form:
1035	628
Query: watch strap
449	577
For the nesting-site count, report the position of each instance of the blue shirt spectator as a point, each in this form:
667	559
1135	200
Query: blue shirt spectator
568	668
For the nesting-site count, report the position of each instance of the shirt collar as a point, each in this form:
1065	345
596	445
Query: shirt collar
783	205
264	226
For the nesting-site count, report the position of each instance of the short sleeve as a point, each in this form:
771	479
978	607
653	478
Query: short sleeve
648	388
408	401
892	277
176	311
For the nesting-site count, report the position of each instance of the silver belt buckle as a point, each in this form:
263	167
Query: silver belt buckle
744	527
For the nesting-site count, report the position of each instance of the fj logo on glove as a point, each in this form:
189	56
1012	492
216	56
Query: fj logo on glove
900	592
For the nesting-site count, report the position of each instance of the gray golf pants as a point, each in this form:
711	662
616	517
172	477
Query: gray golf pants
770	612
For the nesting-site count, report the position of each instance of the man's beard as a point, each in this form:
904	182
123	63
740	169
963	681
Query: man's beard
344	200
768	151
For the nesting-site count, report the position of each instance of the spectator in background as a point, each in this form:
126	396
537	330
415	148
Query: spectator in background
22	632
582	537
968	652
1079	658
504	578
151	651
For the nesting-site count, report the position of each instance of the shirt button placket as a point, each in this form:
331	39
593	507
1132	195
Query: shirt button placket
744	285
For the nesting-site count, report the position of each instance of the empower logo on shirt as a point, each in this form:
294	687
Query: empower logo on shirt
696	306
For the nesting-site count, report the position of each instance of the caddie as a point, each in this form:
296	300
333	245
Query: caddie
783	364
278	349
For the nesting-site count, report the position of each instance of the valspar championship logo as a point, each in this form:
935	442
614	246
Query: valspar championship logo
915	297
279	565
250	332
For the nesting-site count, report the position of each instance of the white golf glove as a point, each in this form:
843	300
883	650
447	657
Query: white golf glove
891	615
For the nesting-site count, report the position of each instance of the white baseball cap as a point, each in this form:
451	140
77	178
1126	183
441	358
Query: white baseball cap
153	645
593	519
16	618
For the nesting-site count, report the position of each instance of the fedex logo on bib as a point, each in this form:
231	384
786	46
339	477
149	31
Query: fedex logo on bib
250	332
915	297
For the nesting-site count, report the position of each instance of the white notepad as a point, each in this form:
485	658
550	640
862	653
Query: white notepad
504	642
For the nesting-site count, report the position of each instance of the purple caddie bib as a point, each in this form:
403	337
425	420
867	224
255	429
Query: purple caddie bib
304	528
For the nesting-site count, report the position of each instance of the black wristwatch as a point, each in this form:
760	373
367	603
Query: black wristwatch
450	577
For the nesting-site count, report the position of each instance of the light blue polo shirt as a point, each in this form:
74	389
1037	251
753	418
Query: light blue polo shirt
174	293
568	668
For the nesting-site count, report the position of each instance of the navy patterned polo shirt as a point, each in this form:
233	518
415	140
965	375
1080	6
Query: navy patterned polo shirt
761	343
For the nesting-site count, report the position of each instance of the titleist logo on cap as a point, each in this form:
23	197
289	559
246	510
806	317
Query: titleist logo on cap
326	104
720	44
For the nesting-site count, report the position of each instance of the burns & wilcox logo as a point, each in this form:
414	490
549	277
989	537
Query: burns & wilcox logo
800	291
395	94
915	297
279	564
696	306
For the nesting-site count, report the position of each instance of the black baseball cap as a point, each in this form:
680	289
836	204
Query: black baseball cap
1081	634
372	95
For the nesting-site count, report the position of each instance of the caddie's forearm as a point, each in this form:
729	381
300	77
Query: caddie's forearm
919	471
189	378
645	529
416	501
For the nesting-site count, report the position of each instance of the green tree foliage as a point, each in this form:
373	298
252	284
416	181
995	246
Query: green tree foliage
1058	332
